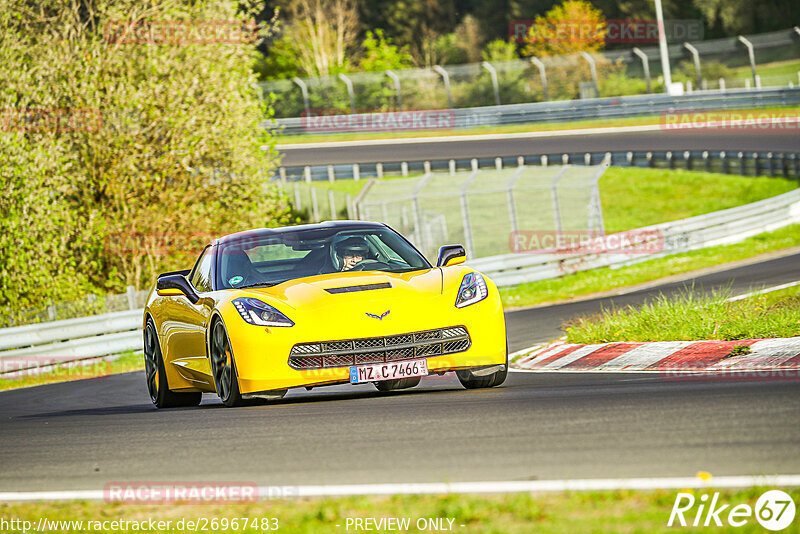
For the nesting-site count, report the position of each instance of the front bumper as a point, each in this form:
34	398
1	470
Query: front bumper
263	354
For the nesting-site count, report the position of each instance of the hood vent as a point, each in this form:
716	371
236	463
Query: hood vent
363	287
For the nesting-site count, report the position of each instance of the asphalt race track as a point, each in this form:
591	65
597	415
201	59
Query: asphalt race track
677	140
83	435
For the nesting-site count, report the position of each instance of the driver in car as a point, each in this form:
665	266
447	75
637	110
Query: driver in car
351	251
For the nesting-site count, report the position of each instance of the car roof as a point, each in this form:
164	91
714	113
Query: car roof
259	232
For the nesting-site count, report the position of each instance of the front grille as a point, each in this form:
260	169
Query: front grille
343	353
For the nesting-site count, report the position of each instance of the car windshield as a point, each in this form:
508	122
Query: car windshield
269	259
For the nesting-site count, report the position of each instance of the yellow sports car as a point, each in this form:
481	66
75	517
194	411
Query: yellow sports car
304	306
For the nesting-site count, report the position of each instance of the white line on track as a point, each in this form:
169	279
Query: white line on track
517	135
763	291
265	492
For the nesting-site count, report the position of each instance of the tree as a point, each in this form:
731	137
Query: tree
380	54
571	27
324	33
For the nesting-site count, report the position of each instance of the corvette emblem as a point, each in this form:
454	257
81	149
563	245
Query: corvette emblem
378	317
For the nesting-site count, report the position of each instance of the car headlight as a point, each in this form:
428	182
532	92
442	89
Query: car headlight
259	313
472	290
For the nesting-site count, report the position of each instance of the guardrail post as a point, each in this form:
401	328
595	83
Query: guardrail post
629	158
51	312
670	163
706	161
688	157
649	157
130	291
542	76
397	91
282	174
757	163
565	159
379	169
724	161
307	173
593	68
331	174
587	159
498	164
446	79
496	86
696	60
356	172
771	161
645	66
349	83
742	167
404	168
427	166
520	161
451	165
544	160
332	204
722	84
470	243
474	164
752	57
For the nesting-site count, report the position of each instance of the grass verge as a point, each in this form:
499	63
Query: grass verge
124	363
568	512
691	316
597	280
504	129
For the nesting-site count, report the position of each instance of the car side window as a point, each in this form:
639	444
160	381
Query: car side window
201	277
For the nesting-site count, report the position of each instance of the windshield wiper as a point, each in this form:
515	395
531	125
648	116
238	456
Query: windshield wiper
260	284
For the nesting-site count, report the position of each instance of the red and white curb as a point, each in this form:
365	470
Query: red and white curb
765	354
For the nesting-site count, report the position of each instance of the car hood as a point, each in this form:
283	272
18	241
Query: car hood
367	291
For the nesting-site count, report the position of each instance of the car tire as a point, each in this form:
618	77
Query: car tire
400	383
223	367
470	381
156	376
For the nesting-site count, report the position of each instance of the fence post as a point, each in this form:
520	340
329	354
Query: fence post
360	198
314	205
350	91
446	79
131	292
696	60
397	91
722	84
304	90
469	242
356	172
51	312
752	57
350	209
297	205
554	197
593	68
418	222
512	208
645	66
282	174
496	86
332	204
542	76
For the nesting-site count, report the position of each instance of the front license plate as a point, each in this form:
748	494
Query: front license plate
388	371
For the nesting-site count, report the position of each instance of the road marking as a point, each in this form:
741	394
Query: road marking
591	484
644	355
504	136
764	291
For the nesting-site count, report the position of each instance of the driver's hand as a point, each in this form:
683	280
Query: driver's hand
350	261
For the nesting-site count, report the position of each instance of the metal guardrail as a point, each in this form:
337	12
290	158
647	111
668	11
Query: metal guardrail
43	344
718	228
786	164
570	110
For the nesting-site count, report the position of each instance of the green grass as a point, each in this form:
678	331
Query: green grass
510	128
692	316
516	513
74	371
597	280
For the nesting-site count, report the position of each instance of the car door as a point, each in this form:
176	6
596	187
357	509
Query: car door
186	336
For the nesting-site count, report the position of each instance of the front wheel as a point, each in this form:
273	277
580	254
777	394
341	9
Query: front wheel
470	381
224	368
157	386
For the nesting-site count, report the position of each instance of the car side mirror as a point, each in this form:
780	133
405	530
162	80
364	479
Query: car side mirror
451	255
180	283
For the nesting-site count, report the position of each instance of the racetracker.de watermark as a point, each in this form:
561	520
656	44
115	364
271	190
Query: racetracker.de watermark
50	120
731	375
731	120
613	31
585	242
181	32
64	367
380	121
192	492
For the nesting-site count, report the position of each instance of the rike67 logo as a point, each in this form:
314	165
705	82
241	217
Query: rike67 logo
774	510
